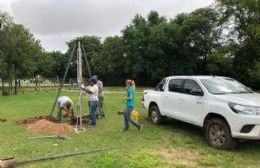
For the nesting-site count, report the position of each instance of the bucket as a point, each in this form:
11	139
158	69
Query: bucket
135	115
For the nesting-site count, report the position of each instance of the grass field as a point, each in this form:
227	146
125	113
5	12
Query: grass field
174	144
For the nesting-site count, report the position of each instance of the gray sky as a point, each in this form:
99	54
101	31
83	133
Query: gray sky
55	22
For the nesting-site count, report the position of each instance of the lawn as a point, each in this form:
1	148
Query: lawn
174	144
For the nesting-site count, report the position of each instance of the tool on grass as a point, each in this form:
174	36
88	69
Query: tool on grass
12	162
122	112
51	136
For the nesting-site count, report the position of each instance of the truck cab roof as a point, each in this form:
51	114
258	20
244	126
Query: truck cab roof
195	77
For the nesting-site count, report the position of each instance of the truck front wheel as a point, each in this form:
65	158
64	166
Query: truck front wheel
218	134
155	115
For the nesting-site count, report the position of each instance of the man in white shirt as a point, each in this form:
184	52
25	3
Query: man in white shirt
92	92
100	96
66	104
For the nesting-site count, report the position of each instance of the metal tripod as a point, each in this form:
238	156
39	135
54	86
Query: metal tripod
79	125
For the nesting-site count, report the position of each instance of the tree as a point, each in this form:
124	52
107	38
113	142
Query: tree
109	64
20	49
144	41
2	64
243	18
91	46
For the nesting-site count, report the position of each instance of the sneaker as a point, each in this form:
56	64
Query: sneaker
91	126
141	127
124	130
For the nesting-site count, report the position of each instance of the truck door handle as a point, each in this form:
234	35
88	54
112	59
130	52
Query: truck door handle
181	99
199	102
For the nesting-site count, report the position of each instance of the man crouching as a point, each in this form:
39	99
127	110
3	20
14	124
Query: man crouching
66	104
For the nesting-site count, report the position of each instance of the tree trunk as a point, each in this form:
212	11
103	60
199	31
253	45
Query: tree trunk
19	85
11	86
3	89
15	86
36	83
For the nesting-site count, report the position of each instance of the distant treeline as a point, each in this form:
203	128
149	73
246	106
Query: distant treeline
223	39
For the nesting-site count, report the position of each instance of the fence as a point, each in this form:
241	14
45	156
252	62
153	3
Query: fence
8	87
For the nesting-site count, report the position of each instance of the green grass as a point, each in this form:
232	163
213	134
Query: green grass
174	144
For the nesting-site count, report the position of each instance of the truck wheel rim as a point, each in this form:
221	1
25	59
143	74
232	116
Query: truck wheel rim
217	135
154	116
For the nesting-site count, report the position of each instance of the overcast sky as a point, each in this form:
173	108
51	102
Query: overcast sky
55	22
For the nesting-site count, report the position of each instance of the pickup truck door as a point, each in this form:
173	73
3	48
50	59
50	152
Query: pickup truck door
171	98
160	88
191	102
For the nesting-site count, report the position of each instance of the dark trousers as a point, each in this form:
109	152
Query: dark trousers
127	118
100	111
92	111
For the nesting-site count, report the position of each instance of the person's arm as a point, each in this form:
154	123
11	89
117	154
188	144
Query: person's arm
87	90
64	108
129	96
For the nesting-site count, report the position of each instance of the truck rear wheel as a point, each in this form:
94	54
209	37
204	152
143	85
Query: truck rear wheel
155	115
218	134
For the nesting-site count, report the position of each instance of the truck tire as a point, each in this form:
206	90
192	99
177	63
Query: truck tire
218	134
155	115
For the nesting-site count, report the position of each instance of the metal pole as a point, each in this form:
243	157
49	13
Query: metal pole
66	155
80	113
80	81
79	64
63	80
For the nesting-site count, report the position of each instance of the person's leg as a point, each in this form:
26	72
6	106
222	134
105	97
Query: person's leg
101	102
137	125
127	117
98	111
89	109
93	107
59	115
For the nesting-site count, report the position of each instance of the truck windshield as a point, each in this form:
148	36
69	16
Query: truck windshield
223	85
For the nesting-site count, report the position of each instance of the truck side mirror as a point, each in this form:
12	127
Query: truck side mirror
196	92
161	87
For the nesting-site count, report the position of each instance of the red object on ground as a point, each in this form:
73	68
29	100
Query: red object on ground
46	126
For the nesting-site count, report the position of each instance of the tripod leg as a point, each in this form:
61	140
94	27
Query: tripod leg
63	81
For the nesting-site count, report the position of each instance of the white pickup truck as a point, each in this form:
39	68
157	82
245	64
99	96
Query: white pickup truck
225	109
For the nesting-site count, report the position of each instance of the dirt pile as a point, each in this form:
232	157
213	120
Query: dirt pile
46	126
32	120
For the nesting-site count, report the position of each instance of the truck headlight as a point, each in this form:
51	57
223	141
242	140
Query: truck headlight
243	109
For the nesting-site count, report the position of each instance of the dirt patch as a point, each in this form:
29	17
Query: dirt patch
46	126
3	120
32	120
179	156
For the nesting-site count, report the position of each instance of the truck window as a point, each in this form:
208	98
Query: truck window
161	86
191	84
176	85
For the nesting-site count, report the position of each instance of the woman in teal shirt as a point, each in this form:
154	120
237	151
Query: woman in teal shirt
130	102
